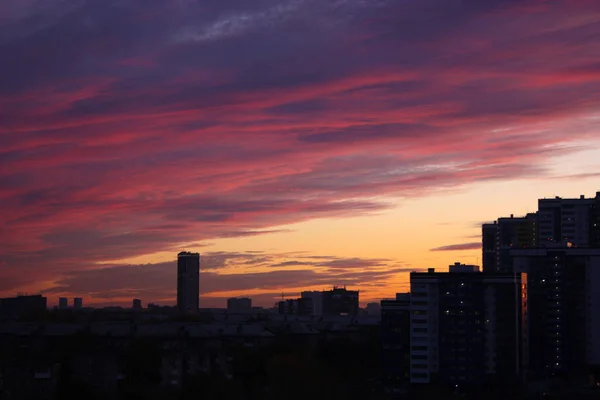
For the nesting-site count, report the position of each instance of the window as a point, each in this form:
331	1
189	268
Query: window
419	348
420	330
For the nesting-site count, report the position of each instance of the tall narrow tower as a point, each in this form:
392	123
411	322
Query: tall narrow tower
188	281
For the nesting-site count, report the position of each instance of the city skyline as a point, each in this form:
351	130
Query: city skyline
295	145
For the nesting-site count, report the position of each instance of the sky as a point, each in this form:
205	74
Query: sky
296	144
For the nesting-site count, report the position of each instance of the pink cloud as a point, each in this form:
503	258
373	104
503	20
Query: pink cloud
124	141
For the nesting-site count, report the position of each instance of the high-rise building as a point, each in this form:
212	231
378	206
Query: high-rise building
489	247
567	220
563	302
340	301
317	301
63	303
188	281
136	304
505	234
467	327
239	304
395	343
595	222
77	303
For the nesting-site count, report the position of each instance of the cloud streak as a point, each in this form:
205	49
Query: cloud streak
459	247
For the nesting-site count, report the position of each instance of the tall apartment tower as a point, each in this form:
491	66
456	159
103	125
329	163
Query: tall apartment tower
395	343
188	281
557	221
63	303
564	298
467	327
568	220
136	304
505	234
77	303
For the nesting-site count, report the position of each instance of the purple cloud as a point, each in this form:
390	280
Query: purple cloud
130	127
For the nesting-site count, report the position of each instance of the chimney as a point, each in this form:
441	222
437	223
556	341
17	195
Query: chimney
582	196
430	270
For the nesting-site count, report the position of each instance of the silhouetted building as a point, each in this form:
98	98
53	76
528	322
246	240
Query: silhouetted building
63	303
505	234
22	306
301	306
395	343
317	300
136	304
340	301
467	327
374	309
458	267
563	302
595	222
77	303
568	220
239	304
557	220
188	281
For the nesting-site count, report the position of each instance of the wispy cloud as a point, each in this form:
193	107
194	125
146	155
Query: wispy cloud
459	247
235	24
122	142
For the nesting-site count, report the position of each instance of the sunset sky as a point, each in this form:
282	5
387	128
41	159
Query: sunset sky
296	144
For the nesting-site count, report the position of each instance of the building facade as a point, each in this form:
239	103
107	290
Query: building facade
505	234
188	281
77	303
239	304
301	306
340	301
563	299
63	303
568	220
136	304
395	343
23	305
317	300
467	327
